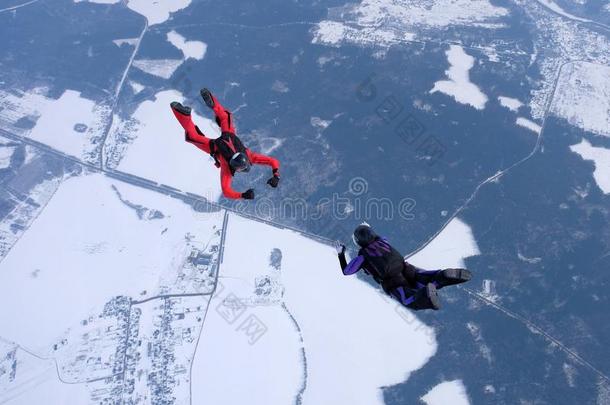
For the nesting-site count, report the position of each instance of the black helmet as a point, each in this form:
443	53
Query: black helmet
364	235
240	162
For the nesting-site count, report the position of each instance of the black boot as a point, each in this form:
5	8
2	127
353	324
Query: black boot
453	277
426	298
206	95
184	110
432	295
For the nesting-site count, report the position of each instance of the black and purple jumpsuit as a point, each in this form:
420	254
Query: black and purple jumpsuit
403	281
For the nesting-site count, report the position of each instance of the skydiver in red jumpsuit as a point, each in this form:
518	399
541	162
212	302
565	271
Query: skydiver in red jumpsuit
228	151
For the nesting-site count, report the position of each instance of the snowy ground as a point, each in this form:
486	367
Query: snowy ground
309	307
583	97
71	123
387	22
100	248
272	316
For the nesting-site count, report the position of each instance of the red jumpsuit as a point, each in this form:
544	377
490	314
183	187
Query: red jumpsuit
223	118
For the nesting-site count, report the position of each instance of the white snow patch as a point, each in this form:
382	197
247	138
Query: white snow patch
6	153
334	33
531	125
571	373
136	87
601	159
280	87
387	22
269	144
331	354
30	154
551	5
448	392
511	103
449	248
159	138
531	260
157	12
190	49
128	41
583	97
477	335
319	123
459	85
163	68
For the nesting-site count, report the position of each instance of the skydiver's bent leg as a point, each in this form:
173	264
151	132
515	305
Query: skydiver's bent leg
422	298
183	115
223	116
452	277
440	278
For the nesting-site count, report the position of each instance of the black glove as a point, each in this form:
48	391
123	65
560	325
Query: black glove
248	195
273	182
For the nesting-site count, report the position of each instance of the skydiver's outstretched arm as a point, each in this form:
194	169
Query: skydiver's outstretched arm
341	254
260	159
353	266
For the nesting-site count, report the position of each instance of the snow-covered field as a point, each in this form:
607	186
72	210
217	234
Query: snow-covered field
71	124
583	97
387	22
274	314
309	305
559	42
163	68
36	381
151	145
459	85
91	246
